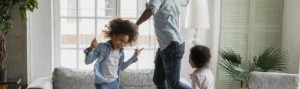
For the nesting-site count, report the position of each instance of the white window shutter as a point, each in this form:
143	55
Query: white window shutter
248	27
266	26
235	19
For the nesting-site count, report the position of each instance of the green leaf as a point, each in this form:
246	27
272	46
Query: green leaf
236	72
9	22
5	32
1	27
231	56
273	70
231	63
22	14
253	67
239	69
271	58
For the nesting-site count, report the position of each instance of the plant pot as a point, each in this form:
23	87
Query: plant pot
243	88
3	75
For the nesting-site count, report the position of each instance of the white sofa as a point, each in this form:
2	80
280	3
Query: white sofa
65	78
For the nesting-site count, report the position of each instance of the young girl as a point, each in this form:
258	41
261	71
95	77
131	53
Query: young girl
202	77
109	56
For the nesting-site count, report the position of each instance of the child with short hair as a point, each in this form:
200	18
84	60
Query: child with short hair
109	56
202	77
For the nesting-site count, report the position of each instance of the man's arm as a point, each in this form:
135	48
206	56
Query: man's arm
145	16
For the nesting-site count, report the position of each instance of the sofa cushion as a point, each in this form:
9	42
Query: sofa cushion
140	79
267	80
137	79
65	78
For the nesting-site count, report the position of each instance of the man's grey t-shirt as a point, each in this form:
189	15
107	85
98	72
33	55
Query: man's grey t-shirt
166	20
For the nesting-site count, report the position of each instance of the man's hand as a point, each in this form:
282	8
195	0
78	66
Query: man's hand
94	44
137	52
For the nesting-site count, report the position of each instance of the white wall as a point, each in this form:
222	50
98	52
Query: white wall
291	33
209	38
40	41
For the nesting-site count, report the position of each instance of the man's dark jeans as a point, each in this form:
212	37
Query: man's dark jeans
167	67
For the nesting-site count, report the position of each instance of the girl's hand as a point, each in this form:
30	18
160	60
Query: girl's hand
137	52
94	44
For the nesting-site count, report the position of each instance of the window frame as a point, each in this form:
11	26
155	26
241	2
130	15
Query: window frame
57	31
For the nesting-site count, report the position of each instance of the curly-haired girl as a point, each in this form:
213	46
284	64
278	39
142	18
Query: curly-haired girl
109	56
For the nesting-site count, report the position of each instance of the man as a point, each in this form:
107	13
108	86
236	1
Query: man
168	56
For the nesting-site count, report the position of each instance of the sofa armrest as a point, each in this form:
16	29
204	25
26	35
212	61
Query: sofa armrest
269	80
41	83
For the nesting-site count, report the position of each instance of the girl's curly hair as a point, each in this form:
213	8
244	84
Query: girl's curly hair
119	26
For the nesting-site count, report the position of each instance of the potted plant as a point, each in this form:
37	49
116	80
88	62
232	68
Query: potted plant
270	60
6	7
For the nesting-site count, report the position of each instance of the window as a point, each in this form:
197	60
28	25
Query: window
79	21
